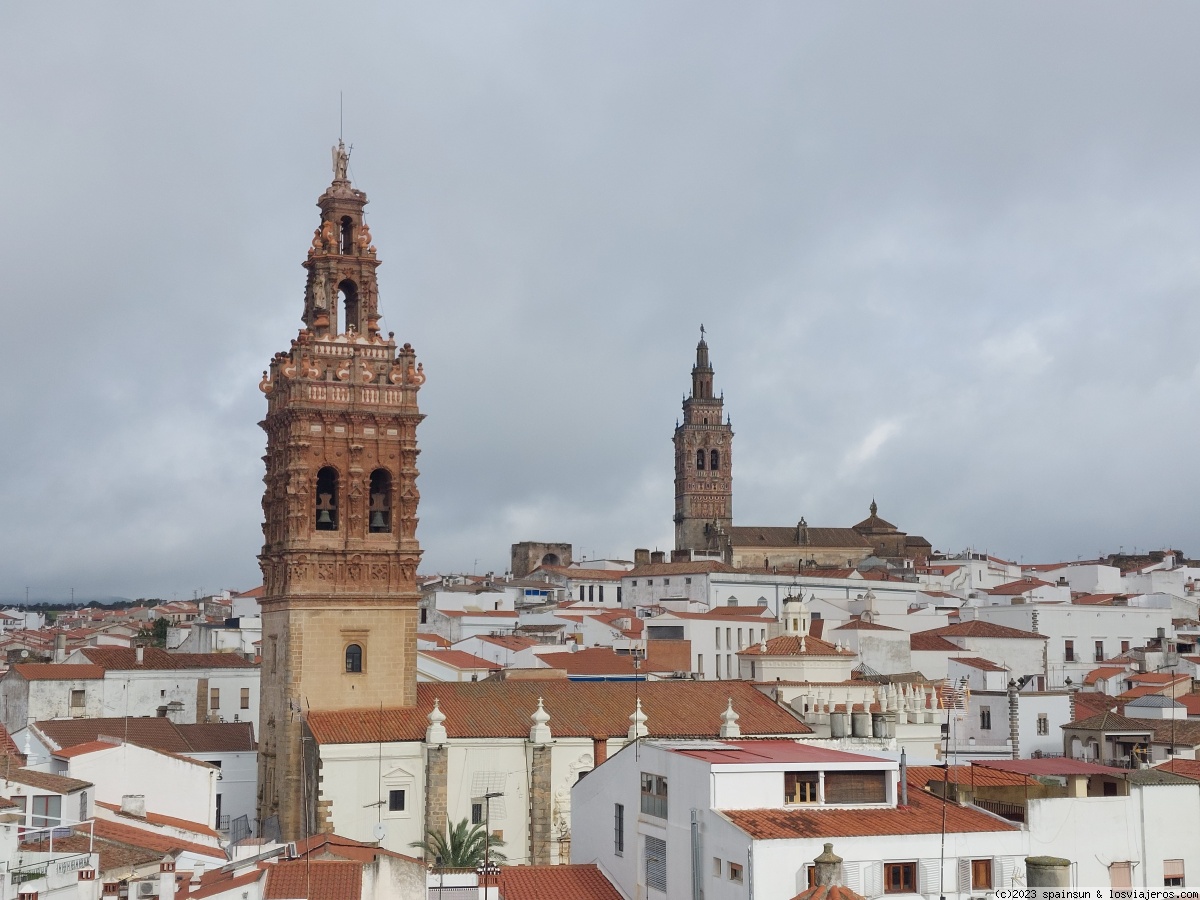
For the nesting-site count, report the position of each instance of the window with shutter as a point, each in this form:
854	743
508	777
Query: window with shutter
855	787
981	874
1119	875
656	864
1172	873
852	876
872	878
930	876
964	875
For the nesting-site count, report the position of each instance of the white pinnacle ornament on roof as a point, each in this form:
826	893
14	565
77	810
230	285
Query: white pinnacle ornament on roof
638	718
729	722
435	734
540	732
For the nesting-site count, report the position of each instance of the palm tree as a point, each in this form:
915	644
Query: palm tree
461	847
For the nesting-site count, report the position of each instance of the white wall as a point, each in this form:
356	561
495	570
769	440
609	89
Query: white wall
172	786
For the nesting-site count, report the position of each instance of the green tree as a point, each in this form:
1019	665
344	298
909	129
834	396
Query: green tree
155	635
461	847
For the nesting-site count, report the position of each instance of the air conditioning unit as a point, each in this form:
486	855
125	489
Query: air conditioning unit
147	889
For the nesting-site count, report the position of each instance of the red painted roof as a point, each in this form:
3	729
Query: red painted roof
828	892
1189	768
496	709
749	753
573	882
923	815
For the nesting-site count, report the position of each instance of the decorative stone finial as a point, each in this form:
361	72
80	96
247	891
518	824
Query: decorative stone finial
540	732
435	734
828	866
729	722
638	718
874	511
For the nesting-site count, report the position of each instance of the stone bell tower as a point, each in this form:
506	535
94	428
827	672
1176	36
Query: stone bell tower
340	556
703	465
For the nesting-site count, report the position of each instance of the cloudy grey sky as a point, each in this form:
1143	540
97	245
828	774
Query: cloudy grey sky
946	255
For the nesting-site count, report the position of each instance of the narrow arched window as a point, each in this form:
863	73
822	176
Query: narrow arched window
381	502
348	294
327	499
714	460
699	459
347	236
354	658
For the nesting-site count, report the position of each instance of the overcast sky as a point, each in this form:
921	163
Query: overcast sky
946	254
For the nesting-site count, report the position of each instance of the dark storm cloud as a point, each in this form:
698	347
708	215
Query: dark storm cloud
946	255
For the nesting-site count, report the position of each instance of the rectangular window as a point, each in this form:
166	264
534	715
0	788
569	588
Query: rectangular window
717	637
666	581
619	829
396	801
214	698
1172	873
700	663
618	596
900	878
735	872
581	593
799	787
981	874
717	868
1099	651
740	645
656	864
654	795
855	787
1043	724
46	811
1124	646
985	718
730	671
601	593
1069	651
77	700
718	667
728	638
476	813
633	583
687	581
245	698
591	592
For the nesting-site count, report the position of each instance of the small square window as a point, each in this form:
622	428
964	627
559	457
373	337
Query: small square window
735	872
718	868
1043	723
666	581
476	813
396	801
687	581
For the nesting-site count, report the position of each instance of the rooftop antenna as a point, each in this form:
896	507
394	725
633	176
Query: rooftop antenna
340	109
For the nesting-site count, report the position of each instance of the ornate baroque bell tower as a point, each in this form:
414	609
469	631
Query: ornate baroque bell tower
340	556
703	465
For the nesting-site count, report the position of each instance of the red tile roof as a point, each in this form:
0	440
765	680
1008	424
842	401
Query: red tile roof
57	672
155	658
59	784
460	659
1189	768
497	709
1159	678
928	640
1102	674
1020	586
923	775
83	749
860	625
315	879
923	815
980	629
1053	766
828	892
978	662
661	656
155	733
152	818
573	882
508	641
789	645
699	567
152	840
752	753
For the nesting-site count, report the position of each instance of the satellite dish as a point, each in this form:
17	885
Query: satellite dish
24	654
380	831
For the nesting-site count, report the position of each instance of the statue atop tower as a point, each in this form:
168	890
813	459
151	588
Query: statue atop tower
340	552
703	465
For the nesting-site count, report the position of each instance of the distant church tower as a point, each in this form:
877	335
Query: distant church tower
340	556
703	465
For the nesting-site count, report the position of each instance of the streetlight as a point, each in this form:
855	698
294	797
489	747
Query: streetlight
487	833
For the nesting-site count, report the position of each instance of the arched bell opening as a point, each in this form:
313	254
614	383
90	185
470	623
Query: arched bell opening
327	499
348	299
381	502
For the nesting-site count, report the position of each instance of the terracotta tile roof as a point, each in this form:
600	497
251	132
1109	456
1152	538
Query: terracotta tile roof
1184	732
980	629
1191	702
154	733
1158	678
928	640
317	879
1095	599
437	639
132	836
155	658
1110	721
1051	765
508	641
725	614
497	709
828	892
765	537
459	659
216	881
114	855
757	752
1091	703
1189	768
1020	586
978	662
573	882
923	815
921	776
335	845
59	784
83	749
699	567
661	656
789	645
860	625
259	591
152	818
1144	690
57	671
1102	674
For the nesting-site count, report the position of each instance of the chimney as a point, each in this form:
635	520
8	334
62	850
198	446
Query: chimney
828	867
641	557
140	654
87	887
134	805
903	782
658	557
599	749
1014	719
110	889
60	647
166	878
